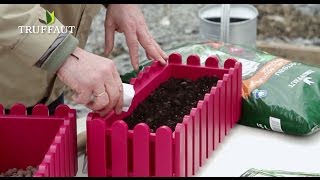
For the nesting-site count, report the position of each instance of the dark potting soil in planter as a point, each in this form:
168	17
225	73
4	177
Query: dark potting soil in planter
14	172
170	102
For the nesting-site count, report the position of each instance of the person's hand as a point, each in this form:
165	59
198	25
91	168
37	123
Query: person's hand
128	19
95	80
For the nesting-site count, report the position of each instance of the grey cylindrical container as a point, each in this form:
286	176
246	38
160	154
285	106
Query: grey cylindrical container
242	32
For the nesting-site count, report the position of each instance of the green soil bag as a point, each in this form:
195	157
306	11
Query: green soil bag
278	94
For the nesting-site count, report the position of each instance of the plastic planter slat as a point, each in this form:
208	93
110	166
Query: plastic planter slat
228	104
213	119
212	61
63	163
233	96
73	142
47	160
196	139
179	153
40	110
239	98
18	109
187	146
97	159
209	123
52	151
57	141
119	146
202	107
234	73
222	114
163	153
68	151
141	139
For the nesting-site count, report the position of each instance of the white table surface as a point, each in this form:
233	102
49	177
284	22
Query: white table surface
245	147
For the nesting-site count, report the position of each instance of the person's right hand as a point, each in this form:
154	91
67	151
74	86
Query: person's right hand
128	19
93	76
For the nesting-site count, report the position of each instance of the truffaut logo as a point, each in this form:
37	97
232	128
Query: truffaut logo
50	18
48	28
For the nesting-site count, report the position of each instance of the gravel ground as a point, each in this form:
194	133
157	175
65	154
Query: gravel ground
173	25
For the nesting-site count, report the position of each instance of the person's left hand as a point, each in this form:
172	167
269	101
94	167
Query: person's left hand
128	19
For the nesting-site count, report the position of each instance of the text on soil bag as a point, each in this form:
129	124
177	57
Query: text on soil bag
300	78
286	67
262	75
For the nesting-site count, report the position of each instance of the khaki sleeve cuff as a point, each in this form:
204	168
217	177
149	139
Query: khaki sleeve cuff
60	54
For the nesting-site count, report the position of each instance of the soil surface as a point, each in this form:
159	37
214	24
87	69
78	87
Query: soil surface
170	102
14	172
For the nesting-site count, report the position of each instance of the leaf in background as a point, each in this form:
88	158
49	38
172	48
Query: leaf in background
42	21
50	17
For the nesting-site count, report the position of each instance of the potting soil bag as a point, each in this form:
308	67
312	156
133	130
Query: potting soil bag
278	94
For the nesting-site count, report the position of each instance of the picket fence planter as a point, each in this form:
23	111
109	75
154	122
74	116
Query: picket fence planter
48	142
114	150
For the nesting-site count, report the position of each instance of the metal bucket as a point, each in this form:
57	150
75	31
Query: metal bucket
243	23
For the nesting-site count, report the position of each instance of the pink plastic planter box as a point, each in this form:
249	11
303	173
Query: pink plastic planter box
114	150
39	140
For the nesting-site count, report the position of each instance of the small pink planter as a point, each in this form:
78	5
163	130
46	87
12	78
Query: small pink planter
39	140
114	150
